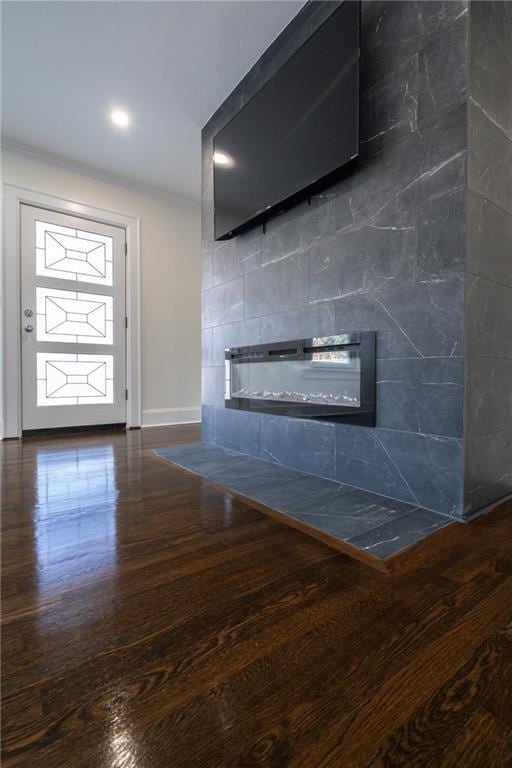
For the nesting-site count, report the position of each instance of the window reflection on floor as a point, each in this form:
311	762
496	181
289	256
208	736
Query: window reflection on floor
75	514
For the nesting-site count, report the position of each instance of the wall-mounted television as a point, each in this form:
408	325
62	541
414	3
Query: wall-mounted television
296	134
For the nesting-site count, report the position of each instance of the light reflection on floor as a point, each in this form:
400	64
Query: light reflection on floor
75	514
122	746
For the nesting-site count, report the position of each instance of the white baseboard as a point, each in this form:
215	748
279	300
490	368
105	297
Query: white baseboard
156	417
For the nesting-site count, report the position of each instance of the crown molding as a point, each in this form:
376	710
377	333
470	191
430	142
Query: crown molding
107	177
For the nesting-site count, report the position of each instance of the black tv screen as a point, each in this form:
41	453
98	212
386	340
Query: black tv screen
297	132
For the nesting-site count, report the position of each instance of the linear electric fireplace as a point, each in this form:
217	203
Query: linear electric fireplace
330	378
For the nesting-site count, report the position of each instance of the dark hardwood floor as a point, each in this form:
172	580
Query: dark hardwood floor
150	621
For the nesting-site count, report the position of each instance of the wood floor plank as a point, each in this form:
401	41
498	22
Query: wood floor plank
497	699
429	733
483	741
404	691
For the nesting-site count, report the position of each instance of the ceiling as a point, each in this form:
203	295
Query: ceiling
65	65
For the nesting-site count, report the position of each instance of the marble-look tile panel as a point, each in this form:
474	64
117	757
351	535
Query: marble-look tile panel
358	260
254	483
300	443
198	451
207	424
207	232
488	323
392	32
209	460
385	187
223	303
207	347
352	513
439	92
225	265
488	470
236	257
237	430
213	385
490	159
431	466
381	191
244	473
315	319
389	108
441	222
234	470
489	240
443	140
491	74
491	26
245	332
206	267
276	287
295	231
489	395
423	470
302	495
429	314
408	388
390	538
248	250
203	457
362	461
365	313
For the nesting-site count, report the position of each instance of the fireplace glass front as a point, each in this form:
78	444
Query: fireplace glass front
329	378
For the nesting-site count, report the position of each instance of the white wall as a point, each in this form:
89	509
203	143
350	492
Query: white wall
170	278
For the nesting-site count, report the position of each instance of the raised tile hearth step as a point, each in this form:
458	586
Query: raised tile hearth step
365	525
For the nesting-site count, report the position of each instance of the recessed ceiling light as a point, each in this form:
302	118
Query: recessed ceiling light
219	158
120	118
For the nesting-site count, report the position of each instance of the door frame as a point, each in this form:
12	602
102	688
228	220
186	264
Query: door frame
10	357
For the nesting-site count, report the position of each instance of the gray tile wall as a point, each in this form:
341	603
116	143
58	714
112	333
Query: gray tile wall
383	250
488	414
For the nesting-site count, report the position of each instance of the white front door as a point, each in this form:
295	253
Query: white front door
73	325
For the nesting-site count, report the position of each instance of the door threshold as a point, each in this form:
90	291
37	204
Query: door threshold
118	427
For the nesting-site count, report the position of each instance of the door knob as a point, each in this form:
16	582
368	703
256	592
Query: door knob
28	313
29	328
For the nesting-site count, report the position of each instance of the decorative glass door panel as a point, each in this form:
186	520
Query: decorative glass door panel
70	316
74	379
73	254
72	321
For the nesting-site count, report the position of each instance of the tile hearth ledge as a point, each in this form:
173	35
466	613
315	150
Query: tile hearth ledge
369	527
